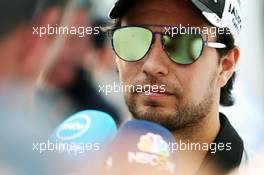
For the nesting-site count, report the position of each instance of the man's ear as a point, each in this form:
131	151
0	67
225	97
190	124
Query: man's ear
228	65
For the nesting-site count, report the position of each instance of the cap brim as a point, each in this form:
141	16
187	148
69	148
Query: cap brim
113	12
120	8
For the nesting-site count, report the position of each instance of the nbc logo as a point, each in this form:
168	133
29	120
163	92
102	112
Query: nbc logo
153	143
154	151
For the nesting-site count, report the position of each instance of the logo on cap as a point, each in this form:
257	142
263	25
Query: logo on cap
216	6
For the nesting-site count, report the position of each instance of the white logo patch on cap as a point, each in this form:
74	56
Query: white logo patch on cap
231	17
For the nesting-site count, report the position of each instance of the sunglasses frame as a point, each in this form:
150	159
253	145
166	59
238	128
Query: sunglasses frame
204	38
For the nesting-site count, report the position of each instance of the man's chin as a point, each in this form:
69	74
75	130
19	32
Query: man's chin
155	109
153	113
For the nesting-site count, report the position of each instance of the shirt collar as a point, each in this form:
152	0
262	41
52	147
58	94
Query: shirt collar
228	159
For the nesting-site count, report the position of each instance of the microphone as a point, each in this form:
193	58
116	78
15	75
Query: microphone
86	126
82	138
140	147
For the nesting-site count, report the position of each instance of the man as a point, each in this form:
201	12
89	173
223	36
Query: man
196	71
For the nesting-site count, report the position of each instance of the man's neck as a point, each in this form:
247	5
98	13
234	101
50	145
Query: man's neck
204	133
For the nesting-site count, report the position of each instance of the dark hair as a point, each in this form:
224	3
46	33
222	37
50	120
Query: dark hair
100	39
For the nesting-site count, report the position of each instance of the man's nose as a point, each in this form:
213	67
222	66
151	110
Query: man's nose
156	62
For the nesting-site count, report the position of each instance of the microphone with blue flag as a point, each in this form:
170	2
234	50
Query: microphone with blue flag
82	138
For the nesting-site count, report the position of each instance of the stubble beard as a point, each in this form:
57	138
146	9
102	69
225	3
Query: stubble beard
181	117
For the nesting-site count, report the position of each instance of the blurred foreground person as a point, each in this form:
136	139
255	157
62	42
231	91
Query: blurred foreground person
67	86
22	55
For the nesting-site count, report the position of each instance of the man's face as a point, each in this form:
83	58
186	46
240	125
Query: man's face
191	90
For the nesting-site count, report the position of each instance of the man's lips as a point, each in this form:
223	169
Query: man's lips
157	93
156	90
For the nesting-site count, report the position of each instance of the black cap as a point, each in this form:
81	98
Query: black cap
120	7
220	13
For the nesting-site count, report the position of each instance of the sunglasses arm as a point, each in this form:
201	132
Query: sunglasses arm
216	45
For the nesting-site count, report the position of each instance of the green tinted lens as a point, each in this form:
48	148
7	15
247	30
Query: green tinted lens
183	48
132	43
